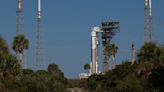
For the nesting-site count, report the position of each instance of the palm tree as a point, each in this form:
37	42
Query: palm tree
8	63
3	45
3	48
3	51
19	45
26	46
112	50
54	70
87	67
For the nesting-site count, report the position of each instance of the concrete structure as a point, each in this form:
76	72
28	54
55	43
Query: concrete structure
84	75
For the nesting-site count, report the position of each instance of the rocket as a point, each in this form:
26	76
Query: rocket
94	34
94	49
39	9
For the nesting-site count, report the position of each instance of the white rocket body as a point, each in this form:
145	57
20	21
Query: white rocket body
94	34
94	47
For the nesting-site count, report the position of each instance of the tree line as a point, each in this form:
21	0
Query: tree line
146	75
13	78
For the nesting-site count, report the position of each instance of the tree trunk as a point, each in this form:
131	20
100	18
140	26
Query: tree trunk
113	61
18	57
21	59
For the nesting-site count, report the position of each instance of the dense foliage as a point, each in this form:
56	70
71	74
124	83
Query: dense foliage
15	79
146	75
87	67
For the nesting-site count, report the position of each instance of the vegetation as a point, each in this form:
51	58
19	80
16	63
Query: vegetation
19	45
112	50
15	79
146	75
87	67
9	66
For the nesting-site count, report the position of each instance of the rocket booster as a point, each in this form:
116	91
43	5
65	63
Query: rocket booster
39	9
94	34
94	47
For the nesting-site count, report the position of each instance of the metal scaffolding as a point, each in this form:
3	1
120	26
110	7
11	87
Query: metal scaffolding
148	22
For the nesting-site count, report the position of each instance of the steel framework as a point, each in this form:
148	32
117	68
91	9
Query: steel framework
148	22
109	30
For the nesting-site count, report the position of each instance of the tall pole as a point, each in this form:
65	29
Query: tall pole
19	27
148	21
38	38
19	18
39	9
132	62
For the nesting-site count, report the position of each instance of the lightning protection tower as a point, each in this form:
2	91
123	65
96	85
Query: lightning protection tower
19	18
148	22
19	30
38	61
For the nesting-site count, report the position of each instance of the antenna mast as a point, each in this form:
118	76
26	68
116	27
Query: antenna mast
38	38
148	22
19	29
19	18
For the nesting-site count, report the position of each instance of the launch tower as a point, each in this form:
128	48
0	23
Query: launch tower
109	30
